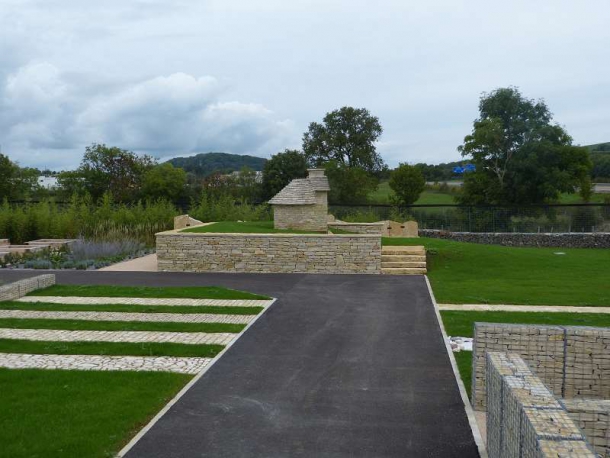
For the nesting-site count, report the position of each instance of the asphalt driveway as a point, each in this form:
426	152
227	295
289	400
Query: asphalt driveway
339	366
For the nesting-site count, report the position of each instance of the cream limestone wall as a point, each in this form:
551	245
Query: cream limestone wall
286	253
302	217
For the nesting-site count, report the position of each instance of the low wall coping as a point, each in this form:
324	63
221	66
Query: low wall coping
182	233
344	223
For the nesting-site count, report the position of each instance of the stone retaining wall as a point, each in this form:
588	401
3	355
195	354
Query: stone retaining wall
561	240
15	290
264	253
523	417
572	361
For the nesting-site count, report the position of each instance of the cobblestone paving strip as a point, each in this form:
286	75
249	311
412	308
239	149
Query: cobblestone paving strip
146	301
127	316
522	308
60	335
104	363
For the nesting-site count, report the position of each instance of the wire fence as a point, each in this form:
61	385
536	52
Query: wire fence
457	218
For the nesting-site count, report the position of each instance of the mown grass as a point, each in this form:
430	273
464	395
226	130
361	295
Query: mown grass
487	274
76	414
249	227
384	193
180	292
42	306
463	360
458	323
84	325
108	348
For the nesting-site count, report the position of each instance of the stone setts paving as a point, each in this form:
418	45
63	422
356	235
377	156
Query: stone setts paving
104	363
125	316
78	300
60	335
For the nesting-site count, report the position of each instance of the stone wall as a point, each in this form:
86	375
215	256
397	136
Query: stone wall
592	416
561	240
286	253
359	228
15	290
523	417
302	217
573	361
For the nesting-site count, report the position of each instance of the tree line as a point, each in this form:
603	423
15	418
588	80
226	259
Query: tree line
520	156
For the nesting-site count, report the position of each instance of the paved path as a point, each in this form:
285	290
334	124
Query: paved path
62	335
143	264
80	300
127	316
340	366
522	308
104	363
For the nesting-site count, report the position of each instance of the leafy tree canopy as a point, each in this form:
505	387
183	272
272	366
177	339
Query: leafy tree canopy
281	169
16	183
164	182
348	185
521	157
347	136
109	169
407	182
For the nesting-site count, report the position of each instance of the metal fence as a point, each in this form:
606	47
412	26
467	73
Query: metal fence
458	218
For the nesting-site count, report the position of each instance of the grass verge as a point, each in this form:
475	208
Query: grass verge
93	414
84	325
250	227
184	292
108	348
469	273
464	364
42	306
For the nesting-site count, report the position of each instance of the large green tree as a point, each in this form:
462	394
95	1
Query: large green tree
521	157
407	182
110	169
16	183
346	136
281	169
164	182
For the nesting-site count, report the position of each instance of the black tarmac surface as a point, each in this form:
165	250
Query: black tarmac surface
339	366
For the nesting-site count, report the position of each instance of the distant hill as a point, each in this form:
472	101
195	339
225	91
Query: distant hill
205	164
599	147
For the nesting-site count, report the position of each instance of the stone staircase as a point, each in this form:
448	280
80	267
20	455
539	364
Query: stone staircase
403	260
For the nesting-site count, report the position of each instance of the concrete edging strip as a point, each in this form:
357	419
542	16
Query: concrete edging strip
478	438
187	387
522	308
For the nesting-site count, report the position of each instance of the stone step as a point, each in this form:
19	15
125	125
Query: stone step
405	258
403	250
403	271
387	264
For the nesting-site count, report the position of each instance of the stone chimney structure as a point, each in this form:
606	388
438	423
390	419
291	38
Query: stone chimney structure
303	203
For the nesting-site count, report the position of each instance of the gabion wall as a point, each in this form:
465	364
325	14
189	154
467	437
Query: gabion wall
20	288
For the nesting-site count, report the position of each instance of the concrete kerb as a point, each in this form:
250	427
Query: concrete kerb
187	387
472	421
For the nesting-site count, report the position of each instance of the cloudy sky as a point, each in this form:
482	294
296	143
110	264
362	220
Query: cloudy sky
176	77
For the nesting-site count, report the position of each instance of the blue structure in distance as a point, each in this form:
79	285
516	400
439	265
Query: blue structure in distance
466	168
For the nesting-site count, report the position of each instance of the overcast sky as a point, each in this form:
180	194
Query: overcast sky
176	77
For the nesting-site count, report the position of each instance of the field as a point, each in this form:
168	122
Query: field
468	273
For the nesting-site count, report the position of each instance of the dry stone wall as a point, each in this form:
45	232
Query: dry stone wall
300	217
573	361
560	240
359	228
592	416
15	290
264	253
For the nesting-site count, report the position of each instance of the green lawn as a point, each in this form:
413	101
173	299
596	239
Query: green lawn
42	306
250	227
462	324
184	292
77	414
73	325
489	274
108	348
566	198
